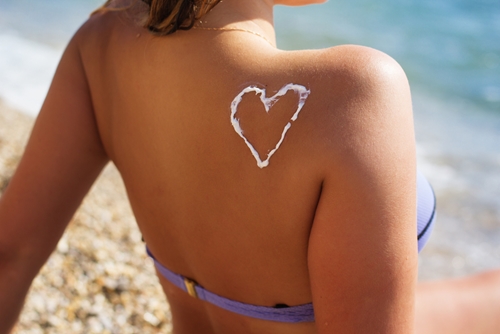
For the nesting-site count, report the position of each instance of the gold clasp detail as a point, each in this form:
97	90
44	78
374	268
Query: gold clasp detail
190	287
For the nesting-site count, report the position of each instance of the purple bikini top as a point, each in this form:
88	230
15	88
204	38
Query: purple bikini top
282	314
299	313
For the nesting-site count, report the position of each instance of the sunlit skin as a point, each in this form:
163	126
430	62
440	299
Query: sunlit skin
331	219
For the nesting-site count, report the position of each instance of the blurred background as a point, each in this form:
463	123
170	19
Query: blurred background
450	50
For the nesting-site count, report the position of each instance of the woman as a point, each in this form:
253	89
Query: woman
263	179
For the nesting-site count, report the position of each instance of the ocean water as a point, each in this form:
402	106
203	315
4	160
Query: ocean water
450	50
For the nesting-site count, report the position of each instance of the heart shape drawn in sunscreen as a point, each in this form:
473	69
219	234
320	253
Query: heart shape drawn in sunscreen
268	102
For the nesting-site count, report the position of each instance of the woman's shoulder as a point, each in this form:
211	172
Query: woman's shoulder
354	65
348	74
356	92
120	15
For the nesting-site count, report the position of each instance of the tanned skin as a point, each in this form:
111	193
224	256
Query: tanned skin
331	220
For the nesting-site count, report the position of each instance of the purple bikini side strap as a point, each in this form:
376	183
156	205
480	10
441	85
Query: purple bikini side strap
299	313
426	210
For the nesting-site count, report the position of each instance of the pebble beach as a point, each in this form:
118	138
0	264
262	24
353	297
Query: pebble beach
98	279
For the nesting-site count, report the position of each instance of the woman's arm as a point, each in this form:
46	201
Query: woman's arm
363	243
62	159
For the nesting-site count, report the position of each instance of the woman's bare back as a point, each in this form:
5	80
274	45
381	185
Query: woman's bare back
204	206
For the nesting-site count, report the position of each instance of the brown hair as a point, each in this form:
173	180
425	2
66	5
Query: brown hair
165	17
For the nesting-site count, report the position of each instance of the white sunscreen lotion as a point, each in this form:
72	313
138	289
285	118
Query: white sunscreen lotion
268	102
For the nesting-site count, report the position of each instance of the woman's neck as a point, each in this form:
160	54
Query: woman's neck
255	15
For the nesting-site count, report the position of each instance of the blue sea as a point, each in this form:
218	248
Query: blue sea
450	50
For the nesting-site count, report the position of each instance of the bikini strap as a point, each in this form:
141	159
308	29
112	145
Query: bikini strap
299	313
426	210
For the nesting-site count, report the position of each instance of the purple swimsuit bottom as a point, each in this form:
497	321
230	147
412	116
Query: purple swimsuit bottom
426	208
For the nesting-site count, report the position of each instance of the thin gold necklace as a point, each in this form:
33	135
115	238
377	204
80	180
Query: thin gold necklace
235	29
